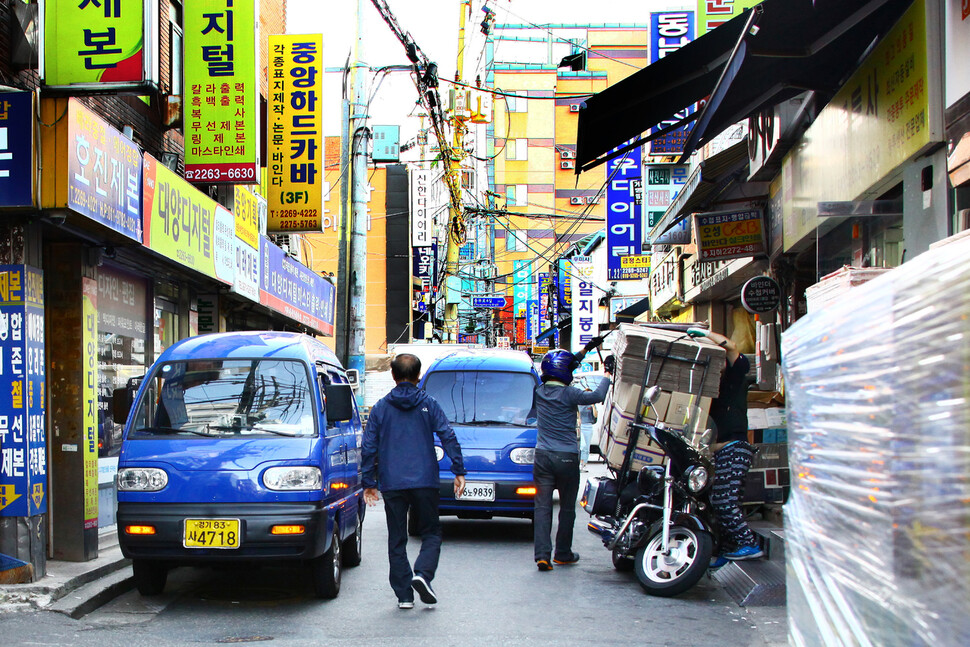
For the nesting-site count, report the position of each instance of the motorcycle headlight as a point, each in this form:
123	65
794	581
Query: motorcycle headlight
289	478
697	479
523	455
439	453
141	479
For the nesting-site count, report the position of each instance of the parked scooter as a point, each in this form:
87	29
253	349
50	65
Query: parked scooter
659	522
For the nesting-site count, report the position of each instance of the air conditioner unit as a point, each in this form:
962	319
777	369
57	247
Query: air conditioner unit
565	164
573	107
567	154
592	199
576	200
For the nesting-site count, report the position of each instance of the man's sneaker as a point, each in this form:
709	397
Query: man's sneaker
543	565
745	552
565	561
420	585
405	604
718	562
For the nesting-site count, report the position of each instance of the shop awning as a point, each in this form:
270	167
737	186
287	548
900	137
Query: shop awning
767	54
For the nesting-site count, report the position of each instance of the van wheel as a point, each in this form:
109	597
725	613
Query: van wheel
326	569
353	544
150	576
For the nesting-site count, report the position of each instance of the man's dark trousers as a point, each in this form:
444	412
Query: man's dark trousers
424	505
555	471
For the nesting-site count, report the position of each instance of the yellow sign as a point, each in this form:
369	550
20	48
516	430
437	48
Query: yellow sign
296	153
183	224
89	398
8	494
246	210
222	115
38	494
89	43
639	260
880	119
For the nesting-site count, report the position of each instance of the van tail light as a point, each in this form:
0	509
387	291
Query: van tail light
140	530
294	529
526	491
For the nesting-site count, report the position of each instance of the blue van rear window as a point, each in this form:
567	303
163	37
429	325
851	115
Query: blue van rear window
226	398
483	397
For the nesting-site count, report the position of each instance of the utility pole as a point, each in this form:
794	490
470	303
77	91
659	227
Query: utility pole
357	278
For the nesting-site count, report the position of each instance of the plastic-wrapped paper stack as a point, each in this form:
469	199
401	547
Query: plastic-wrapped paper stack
877	524
833	286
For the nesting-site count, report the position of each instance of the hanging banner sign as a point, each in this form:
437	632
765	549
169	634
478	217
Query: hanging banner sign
295	290
102	45
584	302
521	286
184	225
221	113
23	435
664	182
532	330
424	260
296	169
624	229
18	164
421	220
104	172
89	397
669	31
245	280
246	209
729	234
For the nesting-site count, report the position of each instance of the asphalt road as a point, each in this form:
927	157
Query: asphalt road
489	590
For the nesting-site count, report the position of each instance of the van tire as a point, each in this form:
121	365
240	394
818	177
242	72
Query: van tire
150	576
352	545
326	570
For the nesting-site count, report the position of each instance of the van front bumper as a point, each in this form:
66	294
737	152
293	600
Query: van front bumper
255	521
513	498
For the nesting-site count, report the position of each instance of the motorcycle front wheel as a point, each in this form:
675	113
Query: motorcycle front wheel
671	574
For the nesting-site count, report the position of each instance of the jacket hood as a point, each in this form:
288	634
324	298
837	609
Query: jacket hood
406	396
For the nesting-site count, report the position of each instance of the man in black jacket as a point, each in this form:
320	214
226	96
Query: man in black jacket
398	458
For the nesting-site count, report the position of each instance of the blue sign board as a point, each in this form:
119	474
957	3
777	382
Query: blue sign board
295	290
488	302
670	31
17	149
522	286
23	432
104	173
532	328
424	261
624	227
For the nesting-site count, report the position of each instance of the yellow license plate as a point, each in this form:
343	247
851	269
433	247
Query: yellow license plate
211	533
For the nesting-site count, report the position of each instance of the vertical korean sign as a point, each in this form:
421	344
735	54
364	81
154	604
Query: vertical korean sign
623	225
89	397
23	436
664	183
18	164
296	169
421	221
99	44
584	302
669	31
522	286
222	114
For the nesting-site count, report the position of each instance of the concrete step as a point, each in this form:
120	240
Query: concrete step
754	583
85	599
772	539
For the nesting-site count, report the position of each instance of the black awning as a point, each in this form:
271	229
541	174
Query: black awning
792	46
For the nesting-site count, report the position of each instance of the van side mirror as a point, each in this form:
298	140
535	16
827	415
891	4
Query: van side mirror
340	402
122	399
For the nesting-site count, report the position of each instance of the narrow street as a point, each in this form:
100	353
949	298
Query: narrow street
490	594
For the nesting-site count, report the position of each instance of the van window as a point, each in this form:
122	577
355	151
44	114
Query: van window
469	397
226	398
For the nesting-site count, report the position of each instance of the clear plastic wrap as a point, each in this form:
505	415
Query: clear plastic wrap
878	520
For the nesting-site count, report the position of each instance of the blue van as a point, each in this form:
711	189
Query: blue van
487	396
241	446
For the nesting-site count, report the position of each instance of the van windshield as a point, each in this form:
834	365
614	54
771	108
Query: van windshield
483	397
226	398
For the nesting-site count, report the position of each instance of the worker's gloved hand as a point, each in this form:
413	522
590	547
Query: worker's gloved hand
593	343
609	364
697	332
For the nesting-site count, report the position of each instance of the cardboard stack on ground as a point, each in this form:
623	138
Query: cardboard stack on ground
684	384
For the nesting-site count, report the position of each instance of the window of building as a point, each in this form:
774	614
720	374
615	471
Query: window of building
175	53
517	104
516	241
517	195
517	149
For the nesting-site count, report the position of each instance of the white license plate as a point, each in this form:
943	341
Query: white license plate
477	491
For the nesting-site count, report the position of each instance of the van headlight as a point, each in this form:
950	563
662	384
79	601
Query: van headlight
439	453
697	479
290	478
523	455
141	479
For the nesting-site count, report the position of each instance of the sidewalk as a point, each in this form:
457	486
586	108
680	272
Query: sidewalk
74	588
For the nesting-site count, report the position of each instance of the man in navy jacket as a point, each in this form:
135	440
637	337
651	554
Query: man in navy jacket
398	458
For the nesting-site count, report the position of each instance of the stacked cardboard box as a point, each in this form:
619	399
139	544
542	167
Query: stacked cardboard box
687	389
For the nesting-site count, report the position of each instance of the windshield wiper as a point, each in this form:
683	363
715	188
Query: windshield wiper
493	422
256	427
170	430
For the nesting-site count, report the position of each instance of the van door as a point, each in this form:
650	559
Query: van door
335	477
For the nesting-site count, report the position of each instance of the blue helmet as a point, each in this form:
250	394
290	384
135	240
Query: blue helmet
558	365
